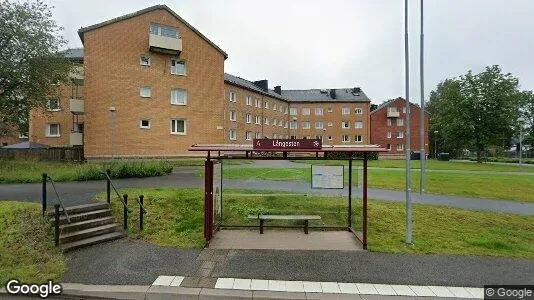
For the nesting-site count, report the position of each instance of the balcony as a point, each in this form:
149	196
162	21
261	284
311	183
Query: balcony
76	138
393	113
165	44
77	106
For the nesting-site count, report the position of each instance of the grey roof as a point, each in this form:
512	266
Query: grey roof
243	83
323	95
387	103
83	30
75	54
26	145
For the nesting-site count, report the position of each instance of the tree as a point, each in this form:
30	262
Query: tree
475	111
527	115
31	65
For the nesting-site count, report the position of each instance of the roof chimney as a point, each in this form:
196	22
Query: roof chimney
333	93
262	84
278	90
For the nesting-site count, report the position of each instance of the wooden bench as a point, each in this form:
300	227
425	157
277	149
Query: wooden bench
306	219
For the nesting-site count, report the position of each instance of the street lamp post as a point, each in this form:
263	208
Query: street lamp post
435	144
113	112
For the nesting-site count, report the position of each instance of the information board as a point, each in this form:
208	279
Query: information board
327	177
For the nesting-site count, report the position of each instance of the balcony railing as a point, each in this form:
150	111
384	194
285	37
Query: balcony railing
77	106
165	44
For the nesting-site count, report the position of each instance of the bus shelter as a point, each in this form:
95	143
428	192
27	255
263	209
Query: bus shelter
282	149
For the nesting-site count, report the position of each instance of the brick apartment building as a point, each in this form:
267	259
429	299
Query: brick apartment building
388	128
152	85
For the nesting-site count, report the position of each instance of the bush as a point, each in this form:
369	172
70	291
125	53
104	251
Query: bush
347	155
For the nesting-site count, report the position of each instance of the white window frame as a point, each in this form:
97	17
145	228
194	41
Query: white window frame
345	138
141	61
157	27
232	96
267	104
345	111
388	122
280	123
285	111
345	124
233	115
274	106
358	138
257	135
329	137
274	122
293	125
266	121
400	147
389	134
56	100
233	136
286	124
177	132
330	110
47	130
293	111
258	120
358	110
144	95
175	101
306	111
330	124
248	135
305	125
319	111
141	124
173	68
248	100
400	122
358	124
400	134
248	118
388	147
319	125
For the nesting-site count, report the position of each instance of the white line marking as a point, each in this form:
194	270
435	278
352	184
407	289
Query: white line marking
259	285
242	284
403	290
277	285
422	291
348	288
294	286
385	289
441	291
177	281
163	280
312	287
330	287
459	292
476	292
224	283
366	289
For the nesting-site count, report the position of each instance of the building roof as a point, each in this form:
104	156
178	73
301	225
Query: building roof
74	54
390	101
325	95
83	30
249	85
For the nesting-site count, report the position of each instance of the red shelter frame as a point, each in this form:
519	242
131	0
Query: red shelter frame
236	151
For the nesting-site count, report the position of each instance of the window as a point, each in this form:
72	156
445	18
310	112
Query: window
285	111
293	111
248	118
389	134
266	121
358	124
166	31
305	125
233	115
249	100
53	105
52	130
330	124
285	125
257	103
266	104
144	60
178	97
400	147
178	67
145	92
345	111
345	138
232	134
275	122
400	134
345	124
318	125
248	135
258	120
388	147
280	123
178	126
358	111
400	122
389	122
232	96
257	135
144	124
274	107
281	109
293	125
306	111
330	109
392	110
358	138
318	111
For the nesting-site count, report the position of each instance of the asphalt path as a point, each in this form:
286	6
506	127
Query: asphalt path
109	263
76	193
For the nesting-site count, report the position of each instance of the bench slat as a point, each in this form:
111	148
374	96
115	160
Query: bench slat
285	217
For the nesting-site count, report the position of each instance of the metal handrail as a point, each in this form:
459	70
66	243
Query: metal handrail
59	198
119	195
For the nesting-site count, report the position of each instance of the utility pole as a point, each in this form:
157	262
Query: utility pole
407	136
422	154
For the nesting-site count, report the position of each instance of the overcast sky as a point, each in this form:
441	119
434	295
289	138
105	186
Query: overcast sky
302	44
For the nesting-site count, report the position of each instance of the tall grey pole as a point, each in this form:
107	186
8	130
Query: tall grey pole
113	125
422	153
520	145
407	135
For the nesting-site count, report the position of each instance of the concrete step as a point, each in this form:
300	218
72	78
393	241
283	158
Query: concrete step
82	208
87	233
92	241
83	216
77	226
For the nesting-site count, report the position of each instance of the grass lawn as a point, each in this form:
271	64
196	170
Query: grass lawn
497	186
175	218
430	165
27	250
